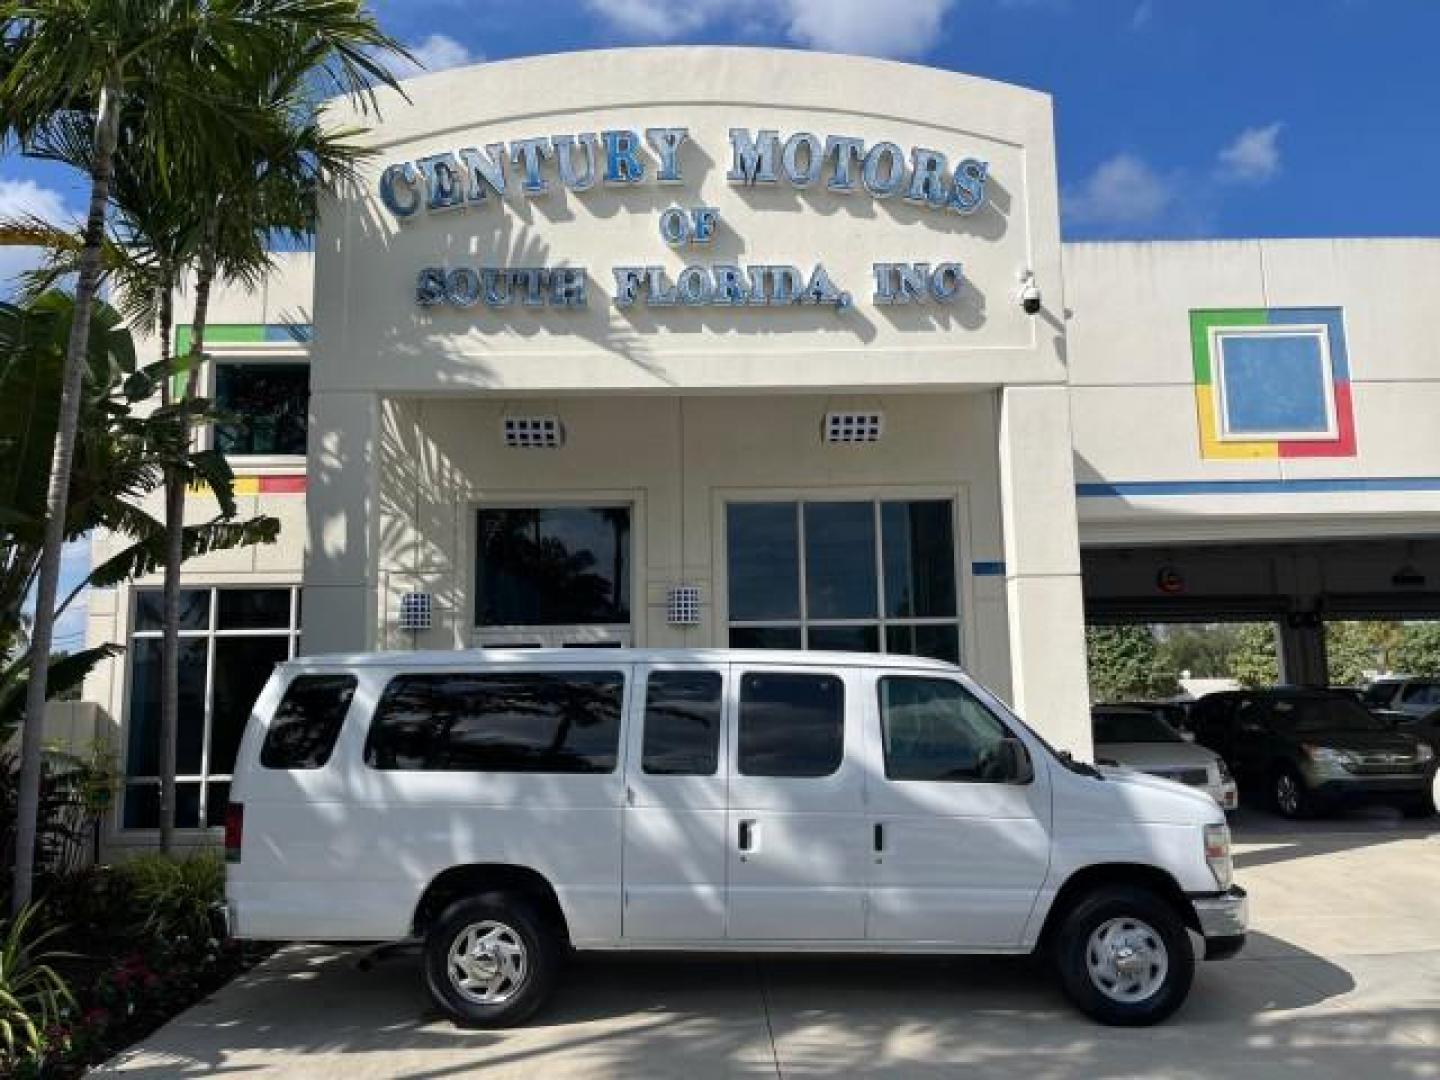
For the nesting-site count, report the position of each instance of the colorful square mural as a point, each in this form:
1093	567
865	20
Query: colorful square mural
1272	383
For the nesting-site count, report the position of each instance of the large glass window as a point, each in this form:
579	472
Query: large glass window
553	566
933	729
791	724
853	575
547	722
230	642
270	402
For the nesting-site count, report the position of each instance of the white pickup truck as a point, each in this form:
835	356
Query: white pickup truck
504	808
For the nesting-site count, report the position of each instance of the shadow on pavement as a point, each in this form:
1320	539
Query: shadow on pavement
310	1012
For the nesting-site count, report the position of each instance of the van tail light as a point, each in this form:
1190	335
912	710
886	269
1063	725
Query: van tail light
234	830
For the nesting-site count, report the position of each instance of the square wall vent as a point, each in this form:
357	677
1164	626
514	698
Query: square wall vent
534	432
854	427
416	611
682	607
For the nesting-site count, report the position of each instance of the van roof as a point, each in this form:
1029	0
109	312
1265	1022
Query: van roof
595	655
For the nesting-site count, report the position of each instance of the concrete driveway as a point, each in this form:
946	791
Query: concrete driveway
1341	978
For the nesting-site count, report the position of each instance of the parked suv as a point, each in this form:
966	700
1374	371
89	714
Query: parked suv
503	808
1403	694
1312	749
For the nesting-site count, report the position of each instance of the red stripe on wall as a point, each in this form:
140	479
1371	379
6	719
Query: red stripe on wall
1344	446
282	485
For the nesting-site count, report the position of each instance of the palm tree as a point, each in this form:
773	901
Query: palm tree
267	182
61	58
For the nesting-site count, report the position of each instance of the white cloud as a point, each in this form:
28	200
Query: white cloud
1254	156
895	28
892	28
1124	192
436	53
660	20
21	198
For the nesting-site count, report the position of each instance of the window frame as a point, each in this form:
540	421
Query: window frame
877	497
966	692
642	714
1320	332
210	633
279	352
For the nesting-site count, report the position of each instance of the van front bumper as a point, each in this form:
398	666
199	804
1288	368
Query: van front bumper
1223	918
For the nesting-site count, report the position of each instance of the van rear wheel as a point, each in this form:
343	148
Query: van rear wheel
491	960
1125	957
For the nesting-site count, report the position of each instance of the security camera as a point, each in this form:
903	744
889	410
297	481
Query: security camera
1029	293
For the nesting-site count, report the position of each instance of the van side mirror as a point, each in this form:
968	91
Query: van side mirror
1015	759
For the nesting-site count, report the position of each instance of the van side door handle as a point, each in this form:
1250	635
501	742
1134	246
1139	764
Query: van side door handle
747	835
879	836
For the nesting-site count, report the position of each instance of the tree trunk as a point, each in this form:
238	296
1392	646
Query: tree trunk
107	131
175	482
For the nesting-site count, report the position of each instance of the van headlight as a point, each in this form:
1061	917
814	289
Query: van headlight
1423	752
1217	854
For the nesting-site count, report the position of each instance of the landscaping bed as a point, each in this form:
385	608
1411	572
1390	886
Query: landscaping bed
109	954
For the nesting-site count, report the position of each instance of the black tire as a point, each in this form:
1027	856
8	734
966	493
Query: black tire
520	923
1125	906
1289	795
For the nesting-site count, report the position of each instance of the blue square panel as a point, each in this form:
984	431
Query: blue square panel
1275	384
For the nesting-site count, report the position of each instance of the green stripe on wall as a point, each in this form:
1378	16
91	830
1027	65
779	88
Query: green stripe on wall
1200	324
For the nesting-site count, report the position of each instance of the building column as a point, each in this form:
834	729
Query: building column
340	591
1042	565
1303	661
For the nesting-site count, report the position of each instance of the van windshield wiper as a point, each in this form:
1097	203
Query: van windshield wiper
1084	768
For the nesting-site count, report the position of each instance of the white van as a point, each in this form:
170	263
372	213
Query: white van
506	807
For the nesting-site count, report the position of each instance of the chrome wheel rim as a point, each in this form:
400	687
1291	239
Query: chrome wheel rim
1127	960
1287	794
488	963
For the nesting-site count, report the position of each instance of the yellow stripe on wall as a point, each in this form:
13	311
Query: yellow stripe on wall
1210	444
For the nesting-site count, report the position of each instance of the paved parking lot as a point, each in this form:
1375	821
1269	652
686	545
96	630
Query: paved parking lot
1341	978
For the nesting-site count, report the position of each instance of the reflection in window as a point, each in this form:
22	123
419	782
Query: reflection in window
878	575
270	402
307	722
933	729
764	561
791	724
682	723
553	566
550	722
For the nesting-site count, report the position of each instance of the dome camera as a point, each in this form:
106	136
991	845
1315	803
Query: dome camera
1029	293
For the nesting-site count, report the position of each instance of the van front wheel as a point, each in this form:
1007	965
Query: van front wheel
490	960
1125	957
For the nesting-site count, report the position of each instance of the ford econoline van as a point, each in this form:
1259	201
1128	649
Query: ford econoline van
504	808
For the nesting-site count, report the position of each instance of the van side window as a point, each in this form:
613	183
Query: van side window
530	722
682	723
933	729
791	724
307	722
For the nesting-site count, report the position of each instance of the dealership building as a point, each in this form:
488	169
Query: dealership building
709	347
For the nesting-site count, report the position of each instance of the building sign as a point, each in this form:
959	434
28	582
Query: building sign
473	179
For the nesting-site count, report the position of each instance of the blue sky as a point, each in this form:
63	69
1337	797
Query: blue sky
1174	118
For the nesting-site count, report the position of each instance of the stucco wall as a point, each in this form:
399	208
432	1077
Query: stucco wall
1133	387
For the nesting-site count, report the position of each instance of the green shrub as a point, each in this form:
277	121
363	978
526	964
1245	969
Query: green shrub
181	900
32	996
